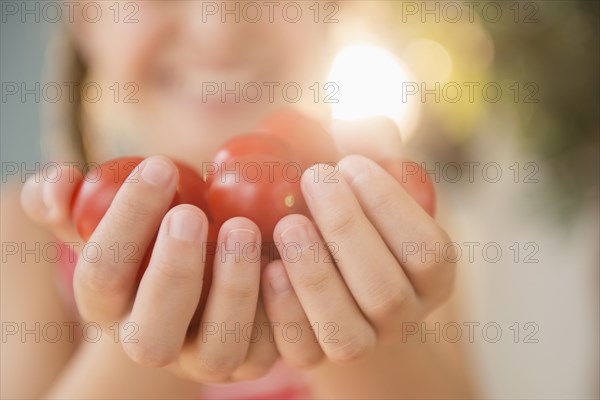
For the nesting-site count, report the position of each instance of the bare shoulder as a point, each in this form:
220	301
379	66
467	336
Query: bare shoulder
31	308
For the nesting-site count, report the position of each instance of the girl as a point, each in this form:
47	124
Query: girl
161	62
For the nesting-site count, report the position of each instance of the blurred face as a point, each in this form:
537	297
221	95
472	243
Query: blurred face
182	76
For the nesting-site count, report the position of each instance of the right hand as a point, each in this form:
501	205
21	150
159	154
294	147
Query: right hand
163	306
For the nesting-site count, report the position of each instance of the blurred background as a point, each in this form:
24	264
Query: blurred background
500	102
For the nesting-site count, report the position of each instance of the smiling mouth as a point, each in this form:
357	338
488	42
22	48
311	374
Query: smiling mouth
214	93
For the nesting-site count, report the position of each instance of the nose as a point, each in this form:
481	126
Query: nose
217	31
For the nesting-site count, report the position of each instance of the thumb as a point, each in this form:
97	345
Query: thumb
47	202
375	137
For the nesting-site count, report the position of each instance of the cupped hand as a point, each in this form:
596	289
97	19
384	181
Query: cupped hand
159	311
371	261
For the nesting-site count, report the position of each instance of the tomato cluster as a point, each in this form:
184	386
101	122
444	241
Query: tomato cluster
256	175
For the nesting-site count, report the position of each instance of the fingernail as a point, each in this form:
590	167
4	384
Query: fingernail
280	283
157	172
185	225
321	180
241	241
297	235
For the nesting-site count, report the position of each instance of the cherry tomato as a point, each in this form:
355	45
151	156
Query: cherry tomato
247	144
310	142
258	175
264	188
191	189
97	191
101	184
414	180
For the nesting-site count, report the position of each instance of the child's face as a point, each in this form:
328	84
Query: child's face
176	57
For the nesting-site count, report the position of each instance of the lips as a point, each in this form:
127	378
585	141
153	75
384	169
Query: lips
220	93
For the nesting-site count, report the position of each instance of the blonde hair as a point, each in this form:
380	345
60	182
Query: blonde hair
61	135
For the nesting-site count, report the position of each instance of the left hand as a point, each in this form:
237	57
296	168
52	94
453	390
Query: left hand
386	265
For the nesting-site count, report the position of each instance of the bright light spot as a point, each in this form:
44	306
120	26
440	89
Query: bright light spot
429	59
370	82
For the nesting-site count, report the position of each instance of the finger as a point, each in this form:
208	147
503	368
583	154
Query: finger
262	352
420	245
219	348
341	329
292	332
104	285
170	289
375	137
48	202
414	180
370	270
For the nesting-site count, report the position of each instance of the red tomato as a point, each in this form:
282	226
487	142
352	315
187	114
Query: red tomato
264	189
414	180
247	144
258	175
310	142
191	189
97	191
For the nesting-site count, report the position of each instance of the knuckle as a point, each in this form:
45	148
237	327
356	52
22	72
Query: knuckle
436	270
387	302
239	290
356	179
441	237
315	282
444	263
385	199
351	349
131	208
177	270
449	254
436	281
219	368
435	254
94	279
148	354
429	268
341	222
135	202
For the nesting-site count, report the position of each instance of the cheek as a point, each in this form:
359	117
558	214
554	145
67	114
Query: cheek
299	50
120	50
